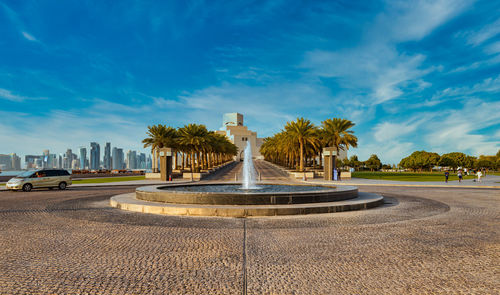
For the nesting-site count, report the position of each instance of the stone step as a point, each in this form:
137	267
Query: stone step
130	203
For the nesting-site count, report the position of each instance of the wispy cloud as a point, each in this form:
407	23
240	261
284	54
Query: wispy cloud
491	85
9	95
29	36
16	20
485	33
376	65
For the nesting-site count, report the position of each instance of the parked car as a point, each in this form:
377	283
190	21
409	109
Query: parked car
49	178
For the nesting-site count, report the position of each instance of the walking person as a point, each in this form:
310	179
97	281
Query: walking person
459	174
479	174
338	174
446	175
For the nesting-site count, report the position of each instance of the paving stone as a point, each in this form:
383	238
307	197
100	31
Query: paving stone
427	241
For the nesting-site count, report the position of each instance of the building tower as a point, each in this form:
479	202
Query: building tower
95	156
117	158
83	157
107	156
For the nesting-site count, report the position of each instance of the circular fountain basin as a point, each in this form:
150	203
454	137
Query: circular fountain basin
233	194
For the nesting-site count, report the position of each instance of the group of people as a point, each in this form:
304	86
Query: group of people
460	174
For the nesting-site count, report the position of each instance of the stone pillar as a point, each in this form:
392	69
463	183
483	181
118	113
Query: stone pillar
329	163
165	163
154	162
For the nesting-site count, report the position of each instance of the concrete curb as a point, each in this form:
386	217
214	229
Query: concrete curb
130	203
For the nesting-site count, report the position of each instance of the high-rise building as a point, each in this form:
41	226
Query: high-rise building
83	157
5	162
33	161
149	163
141	161
107	156
16	162
45	162
95	156
52	162
117	158
131	159
68	159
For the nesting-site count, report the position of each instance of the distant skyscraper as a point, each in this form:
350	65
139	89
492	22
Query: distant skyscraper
46	159
149	163
132	159
52	161
33	161
117	158
5	162
68	159
95	156
83	157
141	159
107	156
16	162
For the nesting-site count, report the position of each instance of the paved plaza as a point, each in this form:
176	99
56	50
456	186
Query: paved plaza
424	240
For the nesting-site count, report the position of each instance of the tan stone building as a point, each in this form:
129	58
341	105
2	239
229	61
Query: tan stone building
233	128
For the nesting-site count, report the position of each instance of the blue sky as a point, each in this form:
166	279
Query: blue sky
412	75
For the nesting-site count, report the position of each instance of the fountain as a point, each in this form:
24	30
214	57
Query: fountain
248	169
245	199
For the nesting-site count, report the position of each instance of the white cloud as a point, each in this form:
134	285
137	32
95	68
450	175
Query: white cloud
386	131
29	36
375	66
476	38
460	130
9	95
493	48
491	84
413	20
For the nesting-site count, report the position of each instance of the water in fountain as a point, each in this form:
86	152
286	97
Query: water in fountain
248	170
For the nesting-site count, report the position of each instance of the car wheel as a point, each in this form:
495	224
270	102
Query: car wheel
27	187
62	185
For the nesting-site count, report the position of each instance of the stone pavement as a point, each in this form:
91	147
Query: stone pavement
424	241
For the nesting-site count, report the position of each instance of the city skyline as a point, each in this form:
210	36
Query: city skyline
412	75
75	160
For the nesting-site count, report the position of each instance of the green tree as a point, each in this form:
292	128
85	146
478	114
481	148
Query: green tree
487	162
373	163
420	160
459	160
447	161
354	162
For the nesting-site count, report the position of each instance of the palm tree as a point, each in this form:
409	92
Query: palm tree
193	138
303	132
336	133
159	136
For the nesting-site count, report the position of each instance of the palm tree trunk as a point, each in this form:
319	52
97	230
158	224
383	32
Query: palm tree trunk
301	166
192	161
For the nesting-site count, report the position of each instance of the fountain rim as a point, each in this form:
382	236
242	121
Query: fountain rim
164	189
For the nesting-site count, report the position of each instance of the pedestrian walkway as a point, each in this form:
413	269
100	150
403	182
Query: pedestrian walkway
490	181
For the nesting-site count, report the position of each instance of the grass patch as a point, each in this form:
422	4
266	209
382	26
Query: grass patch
406	176
109	179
